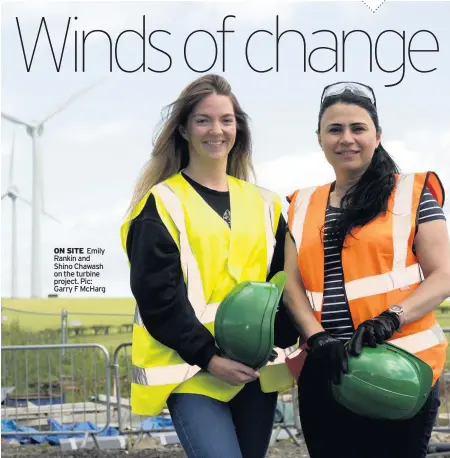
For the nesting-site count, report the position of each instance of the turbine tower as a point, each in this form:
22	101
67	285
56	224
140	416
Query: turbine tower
35	129
12	192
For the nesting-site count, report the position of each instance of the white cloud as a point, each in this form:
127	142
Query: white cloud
287	173
81	134
253	12
432	157
445	140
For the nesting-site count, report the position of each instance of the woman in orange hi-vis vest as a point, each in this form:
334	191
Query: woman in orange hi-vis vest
368	261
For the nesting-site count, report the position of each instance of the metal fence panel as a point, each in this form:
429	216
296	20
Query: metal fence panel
162	426
71	383
443	419
55	383
129	423
121	399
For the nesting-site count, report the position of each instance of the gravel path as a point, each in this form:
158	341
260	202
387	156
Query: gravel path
282	449
149	448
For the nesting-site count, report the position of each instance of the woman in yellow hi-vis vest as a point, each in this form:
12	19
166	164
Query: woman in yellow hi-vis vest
368	261
196	229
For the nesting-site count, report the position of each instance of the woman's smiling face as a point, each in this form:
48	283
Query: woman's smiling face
211	128
348	136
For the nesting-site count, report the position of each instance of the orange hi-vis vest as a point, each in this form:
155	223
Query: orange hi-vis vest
379	266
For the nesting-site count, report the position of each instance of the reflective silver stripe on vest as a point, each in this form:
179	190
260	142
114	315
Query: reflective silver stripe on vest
163	375
188	262
315	299
383	283
269	217
208	316
137	317
422	340
206	313
178	373
301	206
139	376
402	226
401	276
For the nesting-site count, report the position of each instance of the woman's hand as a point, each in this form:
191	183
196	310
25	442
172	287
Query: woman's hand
231	371
373	332
330	354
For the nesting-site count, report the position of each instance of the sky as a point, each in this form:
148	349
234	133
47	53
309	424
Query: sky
93	150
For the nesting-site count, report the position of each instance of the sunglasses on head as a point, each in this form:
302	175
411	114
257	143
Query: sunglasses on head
354	87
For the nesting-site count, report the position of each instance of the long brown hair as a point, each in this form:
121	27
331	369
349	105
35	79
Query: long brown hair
170	152
369	197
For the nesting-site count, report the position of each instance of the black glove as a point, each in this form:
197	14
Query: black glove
373	332
330	353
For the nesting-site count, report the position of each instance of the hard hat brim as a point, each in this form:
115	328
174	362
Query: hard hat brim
244	322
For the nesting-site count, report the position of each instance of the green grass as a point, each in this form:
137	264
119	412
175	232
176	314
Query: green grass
41	309
34	325
444	320
110	342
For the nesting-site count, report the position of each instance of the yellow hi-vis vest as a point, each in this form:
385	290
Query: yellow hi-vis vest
214	259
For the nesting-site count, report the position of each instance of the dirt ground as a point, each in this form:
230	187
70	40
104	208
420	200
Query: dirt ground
149	448
282	449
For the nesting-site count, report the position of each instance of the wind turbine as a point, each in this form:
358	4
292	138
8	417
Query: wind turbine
35	129
12	192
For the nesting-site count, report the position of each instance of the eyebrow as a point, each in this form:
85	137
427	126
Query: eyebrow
337	124
207	116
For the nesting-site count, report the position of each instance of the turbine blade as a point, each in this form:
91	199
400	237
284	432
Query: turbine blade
23	200
43	212
4	195
51	217
70	100
15	120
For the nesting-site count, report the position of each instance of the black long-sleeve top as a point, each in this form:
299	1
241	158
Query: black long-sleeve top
157	283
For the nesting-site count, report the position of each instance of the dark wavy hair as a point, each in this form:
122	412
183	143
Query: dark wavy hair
368	198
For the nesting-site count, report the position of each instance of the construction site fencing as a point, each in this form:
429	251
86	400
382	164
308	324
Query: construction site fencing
72	382
443	419
45	387
126	421
286	416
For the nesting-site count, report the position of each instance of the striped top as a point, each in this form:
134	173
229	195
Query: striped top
336	317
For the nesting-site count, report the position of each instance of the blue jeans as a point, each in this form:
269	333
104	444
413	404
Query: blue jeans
208	428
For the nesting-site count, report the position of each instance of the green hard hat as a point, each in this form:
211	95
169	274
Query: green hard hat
244	323
385	382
